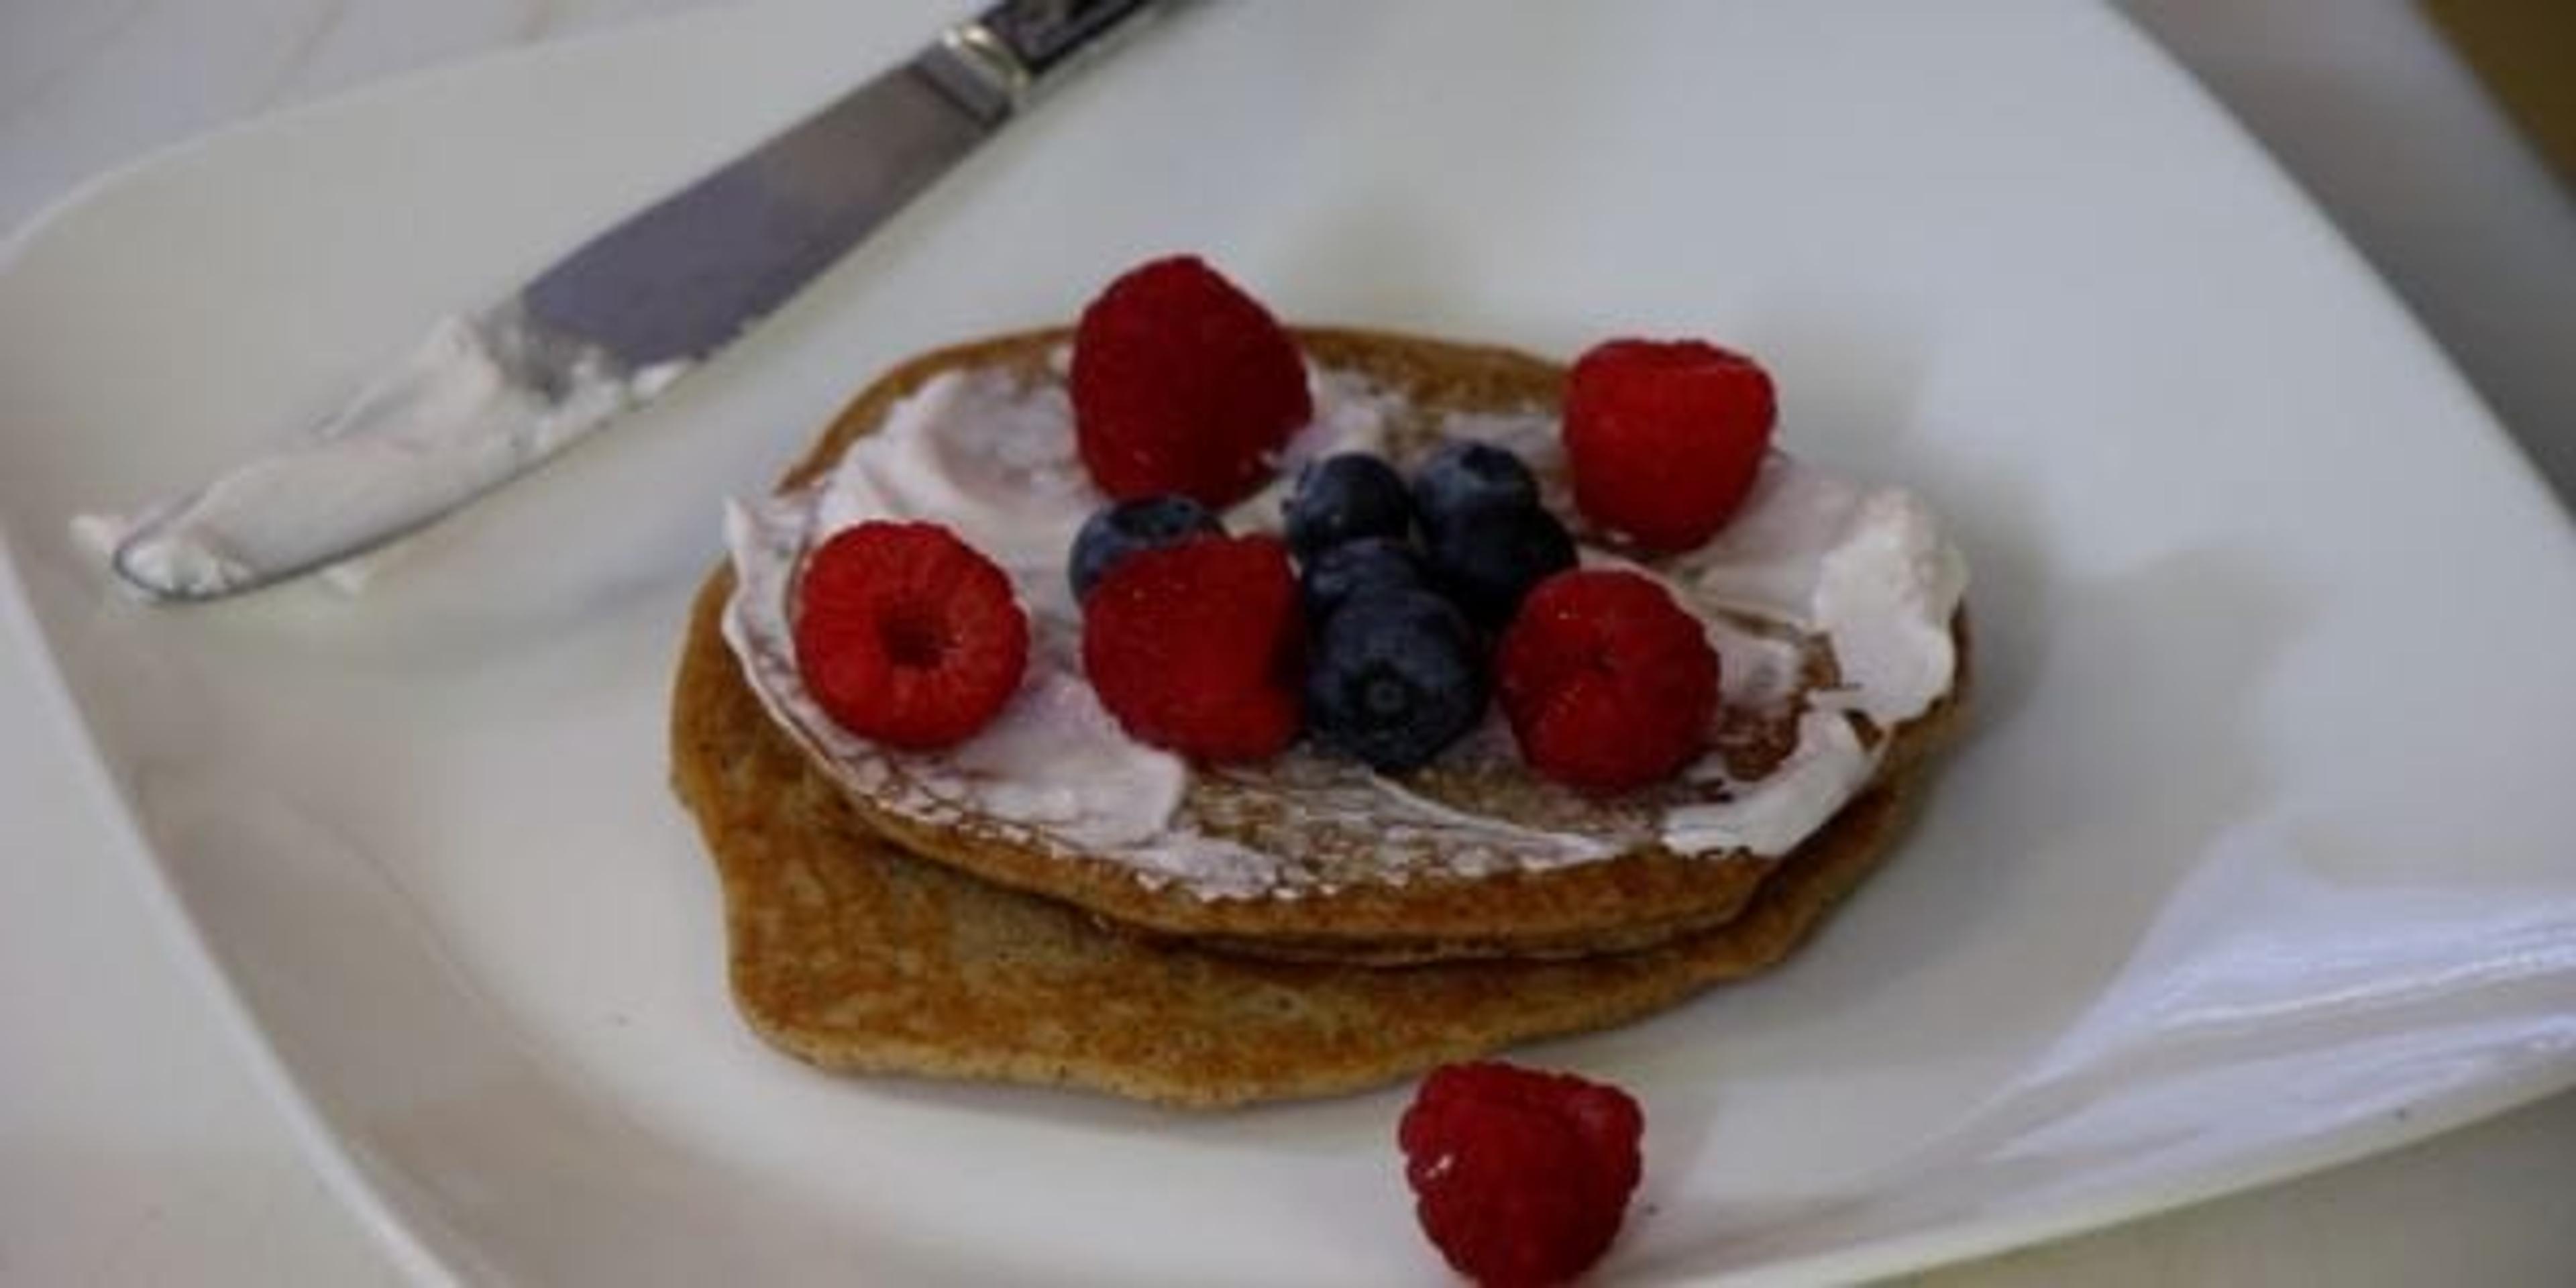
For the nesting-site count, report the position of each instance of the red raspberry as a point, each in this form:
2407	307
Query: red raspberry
1607	683
1664	437
1199	648
1520	1177
1183	383
907	636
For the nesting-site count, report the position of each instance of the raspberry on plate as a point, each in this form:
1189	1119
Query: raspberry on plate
1183	383
1608	684
1199	647
907	635
1520	1178
1664	438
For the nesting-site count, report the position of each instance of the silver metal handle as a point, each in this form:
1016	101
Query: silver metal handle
997	62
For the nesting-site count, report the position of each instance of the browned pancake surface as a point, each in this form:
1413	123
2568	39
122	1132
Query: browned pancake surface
853	955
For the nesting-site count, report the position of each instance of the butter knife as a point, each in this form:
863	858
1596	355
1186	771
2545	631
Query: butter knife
490	394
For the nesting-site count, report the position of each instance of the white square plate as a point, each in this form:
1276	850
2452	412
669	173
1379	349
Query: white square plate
2257	858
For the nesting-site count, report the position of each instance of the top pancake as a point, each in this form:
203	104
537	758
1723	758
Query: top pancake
1375	893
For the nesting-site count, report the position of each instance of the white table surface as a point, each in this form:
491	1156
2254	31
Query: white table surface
135	1147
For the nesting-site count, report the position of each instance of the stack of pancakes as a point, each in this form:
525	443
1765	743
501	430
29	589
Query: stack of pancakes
866	937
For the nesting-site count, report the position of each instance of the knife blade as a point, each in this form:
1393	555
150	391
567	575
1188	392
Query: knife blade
490	394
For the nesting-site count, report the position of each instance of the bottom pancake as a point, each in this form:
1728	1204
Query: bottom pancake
851	954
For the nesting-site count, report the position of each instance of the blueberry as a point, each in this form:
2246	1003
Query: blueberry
1397	676
1114	532
1367	566
1343	498
1464	476
1486	557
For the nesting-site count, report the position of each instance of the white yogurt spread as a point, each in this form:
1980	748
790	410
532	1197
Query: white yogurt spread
441	427
991	455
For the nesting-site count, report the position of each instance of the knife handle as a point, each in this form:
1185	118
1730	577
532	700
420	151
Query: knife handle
998	60
1044	33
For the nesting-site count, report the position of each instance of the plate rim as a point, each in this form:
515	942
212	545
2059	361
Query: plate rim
422	1253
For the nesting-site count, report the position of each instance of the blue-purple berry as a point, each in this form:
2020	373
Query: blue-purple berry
1485	558
1370	565
1396	676
1346	498
1463	476
1116	531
